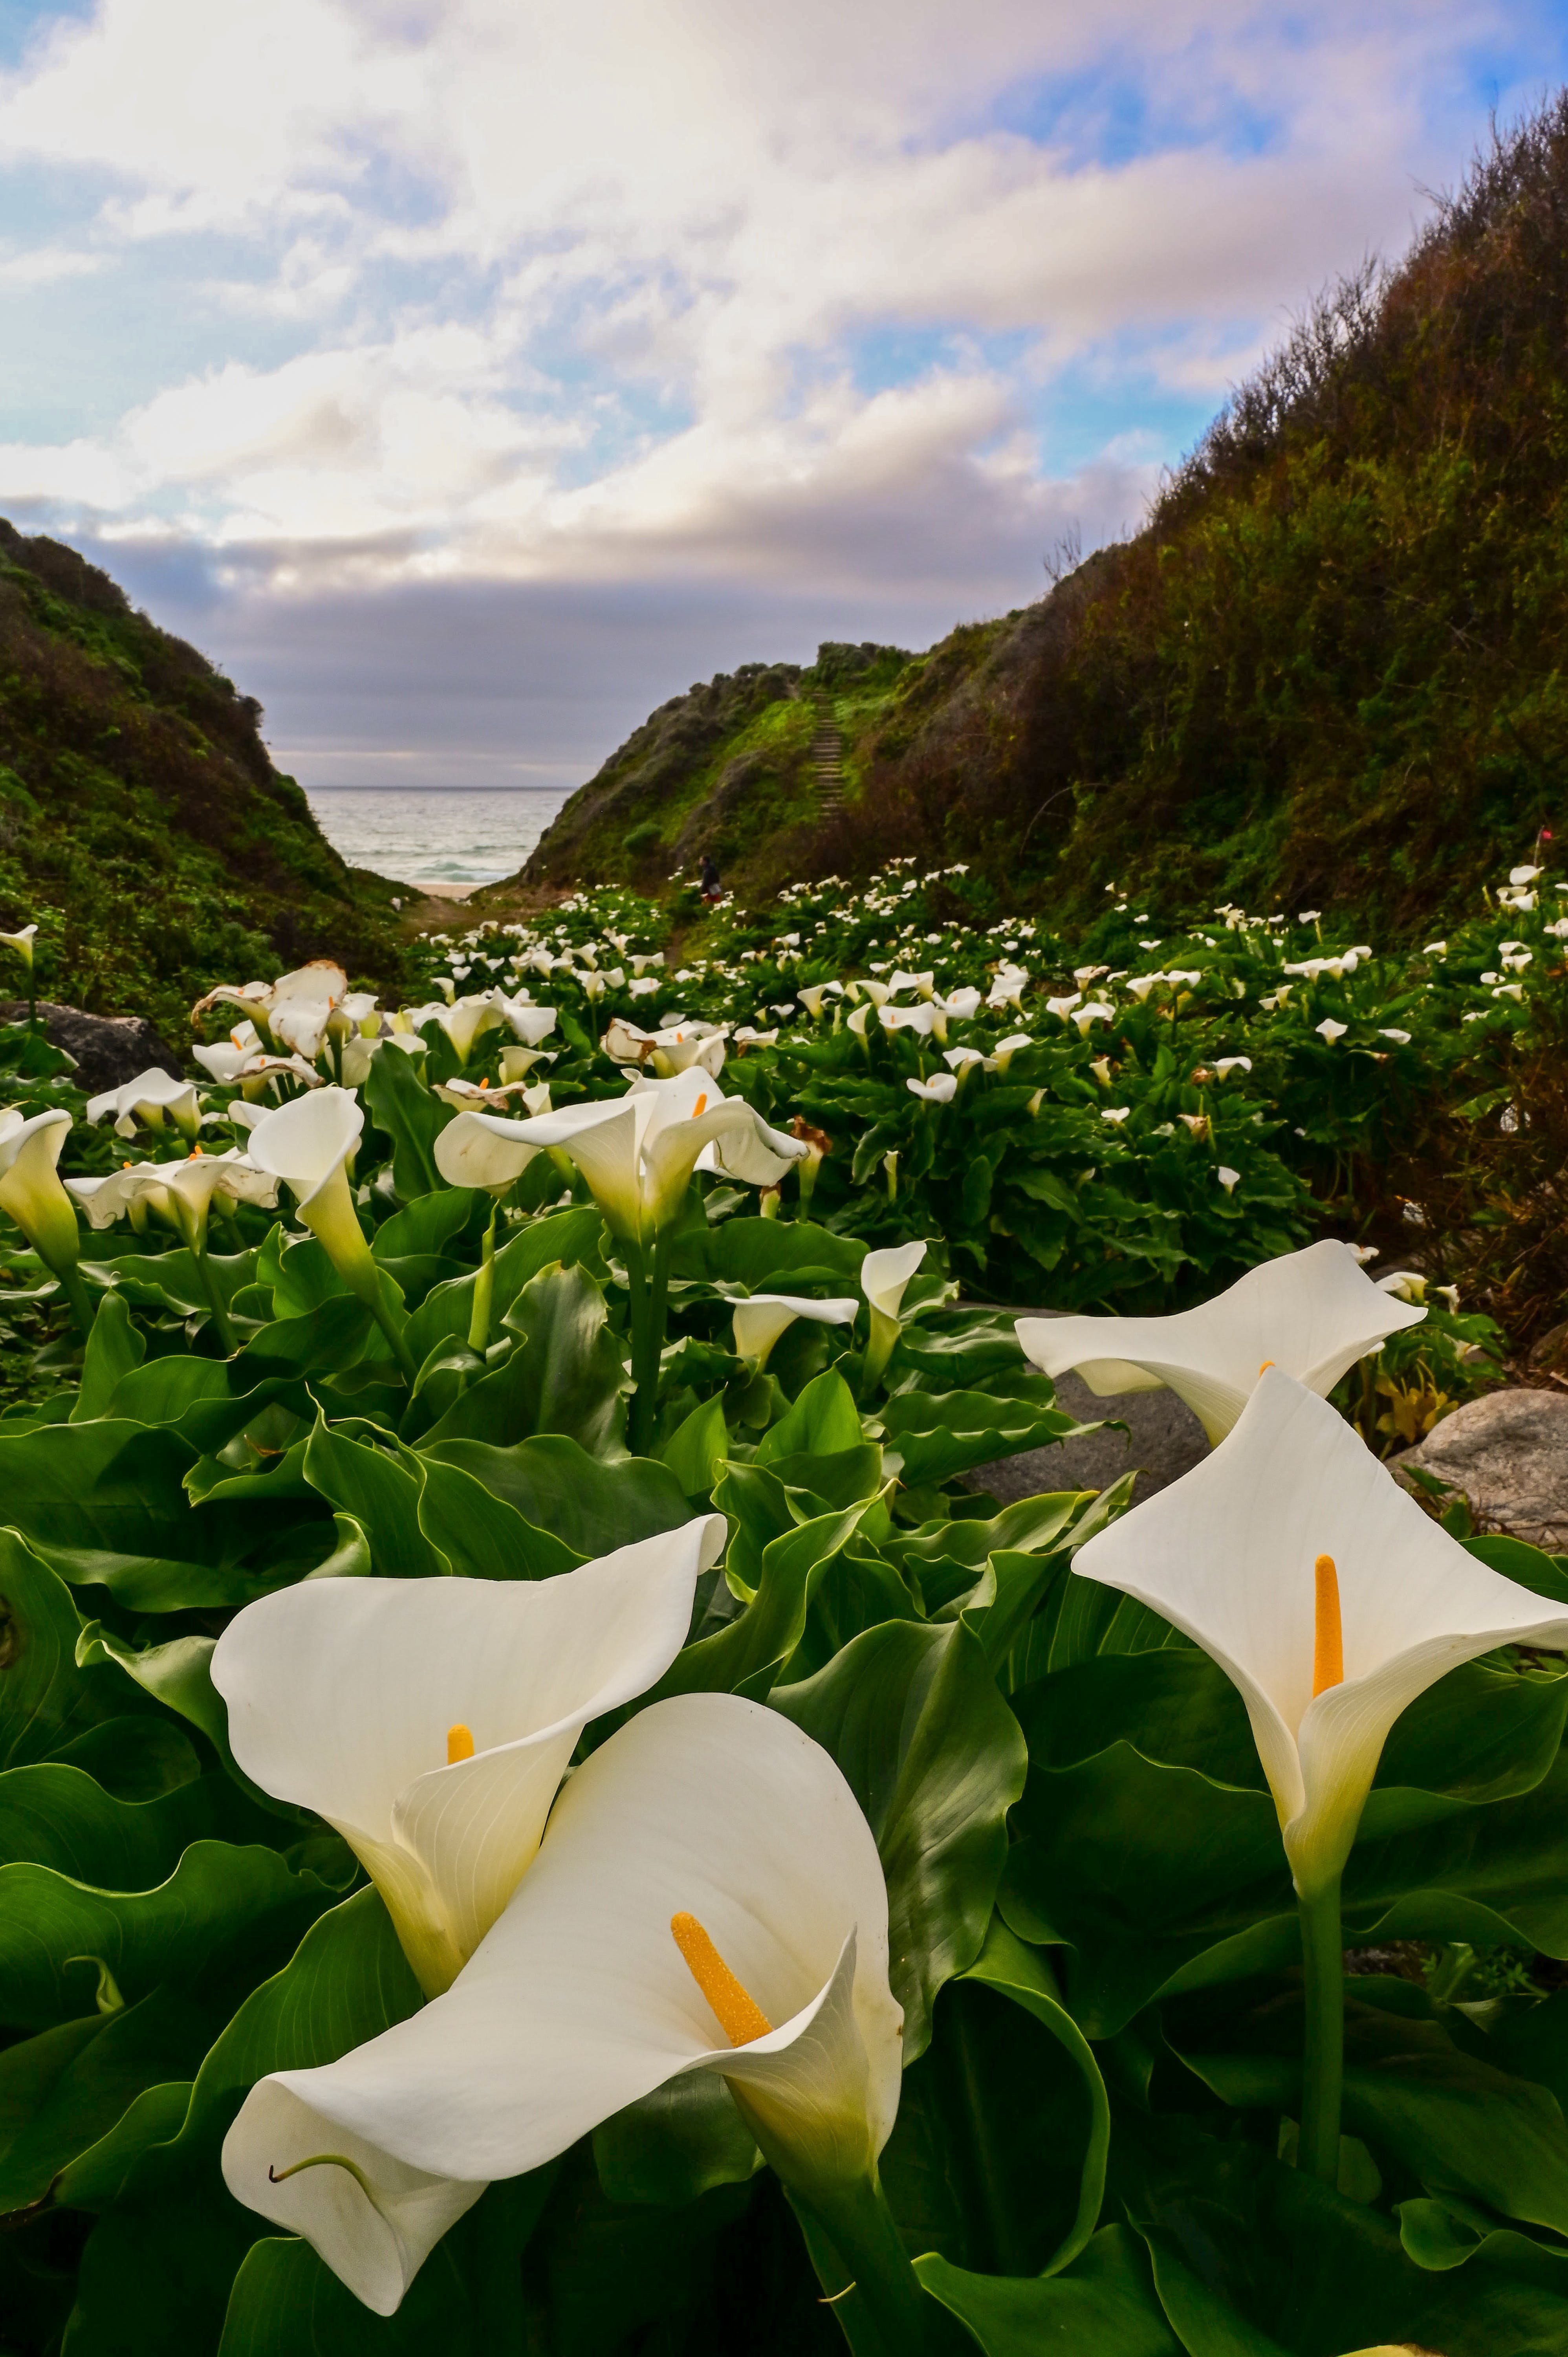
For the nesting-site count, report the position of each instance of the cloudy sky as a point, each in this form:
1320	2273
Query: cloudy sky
466	376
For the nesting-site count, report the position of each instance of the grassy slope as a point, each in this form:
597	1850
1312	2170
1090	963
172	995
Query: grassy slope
1331	670
141	820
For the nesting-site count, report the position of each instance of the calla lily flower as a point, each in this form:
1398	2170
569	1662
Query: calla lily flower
306	1143
180	1191
31	1191
1313	1313
22	944
759	1322
430	1721
708	1828
1006	1049
961	1005
530	1024
637	1152
675	1049
941	1090
882	1278
1325	1660
923	1020
811	994
143	1101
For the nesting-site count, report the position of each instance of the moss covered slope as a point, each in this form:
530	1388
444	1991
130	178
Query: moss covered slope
141	820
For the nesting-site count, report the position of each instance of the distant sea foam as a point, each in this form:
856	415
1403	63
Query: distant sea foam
437	835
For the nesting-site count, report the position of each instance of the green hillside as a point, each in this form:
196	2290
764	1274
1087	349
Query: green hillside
141	824
1332	668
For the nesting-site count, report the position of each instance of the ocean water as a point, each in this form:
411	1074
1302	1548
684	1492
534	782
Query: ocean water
436	834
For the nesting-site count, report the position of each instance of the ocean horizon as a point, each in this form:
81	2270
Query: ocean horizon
436	834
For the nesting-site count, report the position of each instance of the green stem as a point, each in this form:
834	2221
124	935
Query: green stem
882	2310
1323	2052
484	1290
650	1311
209	1286
76	1293
395	1336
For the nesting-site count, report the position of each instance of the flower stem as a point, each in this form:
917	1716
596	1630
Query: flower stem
1323	2052
650	1278
209	1286
484	1290
882	2310
394	1334
75	1292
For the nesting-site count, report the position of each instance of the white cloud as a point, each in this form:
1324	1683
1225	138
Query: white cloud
669	290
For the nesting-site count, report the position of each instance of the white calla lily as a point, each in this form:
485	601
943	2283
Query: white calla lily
940	1090
882	1278
32	1193
708	1815
22	944
183	1191
143	1101
637	1152
1313	1313
759	1322
343	1695
308	1143
1230	1553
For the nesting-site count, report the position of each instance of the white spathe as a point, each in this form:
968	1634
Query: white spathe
884	1275
1313	1313
637	1152
181	1190
579	2002
759	1322
21	942
306	1143
31	1191
1227	1555
145	1101
340	1693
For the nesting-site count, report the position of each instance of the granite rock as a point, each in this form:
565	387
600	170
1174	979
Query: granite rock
1509	1454
1163	1441
109	1048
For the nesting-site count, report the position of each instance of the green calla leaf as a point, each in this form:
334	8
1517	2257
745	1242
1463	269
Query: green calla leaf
479	1535
592	1507
822	1422
769	1256
749	1653
381	1492
938	1434
936	1759
114	1348
675	2145
697	1448
425	1227
412	1116
566	1374
47	1702
569	1238
1105	2304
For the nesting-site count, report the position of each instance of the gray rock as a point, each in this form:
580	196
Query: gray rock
1164	1440
1509	1454
109	1048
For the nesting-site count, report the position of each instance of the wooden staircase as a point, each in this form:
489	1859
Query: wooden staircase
827	755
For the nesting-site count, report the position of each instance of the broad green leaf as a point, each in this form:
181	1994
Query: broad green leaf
157	2272
676	2144
754	1648
1285	2263
114	1348
382	1492
286	2302
591	1506
935	1758
1104	2306
823	1420
937	1435
45	1701
770	1256
222	1904
697	1448
566	1375
1452	2119
479	1535
569	1237
426	1226
61	1817
412	1116
318	1341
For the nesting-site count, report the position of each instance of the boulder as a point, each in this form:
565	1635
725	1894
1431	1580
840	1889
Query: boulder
108	1048
1509	1454
1164	1440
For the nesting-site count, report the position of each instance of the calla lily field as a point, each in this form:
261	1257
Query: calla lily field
549	1808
